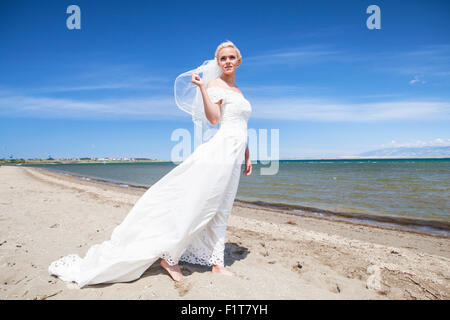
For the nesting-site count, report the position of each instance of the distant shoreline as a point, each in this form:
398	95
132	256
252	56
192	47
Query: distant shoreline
69	161
45	161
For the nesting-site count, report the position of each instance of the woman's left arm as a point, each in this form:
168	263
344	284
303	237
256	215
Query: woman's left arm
248	162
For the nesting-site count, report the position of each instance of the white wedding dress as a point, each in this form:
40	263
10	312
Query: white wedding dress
182	217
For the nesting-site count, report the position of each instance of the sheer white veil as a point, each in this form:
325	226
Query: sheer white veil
189	99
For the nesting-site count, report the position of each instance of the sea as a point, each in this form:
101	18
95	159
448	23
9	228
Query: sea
411	194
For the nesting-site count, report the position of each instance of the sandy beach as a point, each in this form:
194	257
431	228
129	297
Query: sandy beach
45	215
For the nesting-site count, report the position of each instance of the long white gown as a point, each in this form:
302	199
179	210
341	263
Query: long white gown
182	217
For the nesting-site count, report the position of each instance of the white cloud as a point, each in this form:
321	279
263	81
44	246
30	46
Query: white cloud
416	80
430	61
43	107
438	142
314	109
302	55
286	108
135	83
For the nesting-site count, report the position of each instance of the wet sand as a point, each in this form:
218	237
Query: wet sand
46	215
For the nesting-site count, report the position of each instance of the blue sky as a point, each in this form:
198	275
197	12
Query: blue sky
311	69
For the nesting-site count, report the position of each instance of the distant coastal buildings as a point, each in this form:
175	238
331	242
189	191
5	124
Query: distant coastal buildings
117	159
123	159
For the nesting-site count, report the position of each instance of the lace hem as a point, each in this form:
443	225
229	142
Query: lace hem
171	261
65	267
202	257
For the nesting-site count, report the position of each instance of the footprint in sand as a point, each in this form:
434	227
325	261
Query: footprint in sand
183	288
297	267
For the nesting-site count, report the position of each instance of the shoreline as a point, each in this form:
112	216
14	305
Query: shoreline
92	160
274	255
437	228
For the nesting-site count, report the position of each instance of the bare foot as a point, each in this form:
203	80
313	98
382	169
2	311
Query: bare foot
222	270
174	271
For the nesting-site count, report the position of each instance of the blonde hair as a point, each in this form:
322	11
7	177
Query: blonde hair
225	45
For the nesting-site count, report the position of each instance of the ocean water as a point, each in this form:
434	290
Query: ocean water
408	192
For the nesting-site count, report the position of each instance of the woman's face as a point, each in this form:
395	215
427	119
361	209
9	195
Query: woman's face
228	60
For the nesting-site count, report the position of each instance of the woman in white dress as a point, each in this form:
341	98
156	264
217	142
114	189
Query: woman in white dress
183	216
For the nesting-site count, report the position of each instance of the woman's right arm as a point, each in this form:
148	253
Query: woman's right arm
212	110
